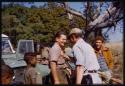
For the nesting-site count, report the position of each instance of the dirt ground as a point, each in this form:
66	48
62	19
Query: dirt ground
117	51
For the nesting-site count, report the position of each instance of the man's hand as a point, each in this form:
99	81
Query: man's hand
66	57
56	82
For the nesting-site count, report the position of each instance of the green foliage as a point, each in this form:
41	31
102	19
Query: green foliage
39	24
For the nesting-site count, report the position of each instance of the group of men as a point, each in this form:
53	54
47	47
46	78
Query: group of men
89	61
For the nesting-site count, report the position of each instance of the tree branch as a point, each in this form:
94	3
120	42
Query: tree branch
107	23
103	17
103	20
98	10
69	10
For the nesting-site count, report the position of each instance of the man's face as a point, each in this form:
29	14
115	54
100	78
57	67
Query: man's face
61	40
99	44
73	39
33	61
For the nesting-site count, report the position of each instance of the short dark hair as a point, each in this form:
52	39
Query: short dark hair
5	70
28	56
59	33
99	38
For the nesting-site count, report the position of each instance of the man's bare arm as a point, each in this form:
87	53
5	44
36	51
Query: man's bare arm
54	72
34	81
79	74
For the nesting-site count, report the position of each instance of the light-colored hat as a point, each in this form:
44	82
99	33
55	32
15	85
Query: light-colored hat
75	30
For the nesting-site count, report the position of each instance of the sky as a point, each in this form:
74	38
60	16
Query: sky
113	36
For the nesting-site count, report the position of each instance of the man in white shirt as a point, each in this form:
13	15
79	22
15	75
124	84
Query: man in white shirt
85	58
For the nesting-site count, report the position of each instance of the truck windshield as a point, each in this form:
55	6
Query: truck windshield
6	46
25	46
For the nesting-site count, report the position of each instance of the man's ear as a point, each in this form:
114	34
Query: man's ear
73	36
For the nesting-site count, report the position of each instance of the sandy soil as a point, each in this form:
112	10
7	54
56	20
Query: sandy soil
117	51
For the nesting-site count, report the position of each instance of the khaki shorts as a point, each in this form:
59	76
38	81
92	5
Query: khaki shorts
62	74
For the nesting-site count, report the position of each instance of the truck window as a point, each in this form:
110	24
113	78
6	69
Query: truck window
25	46
22	48
6	46
30	47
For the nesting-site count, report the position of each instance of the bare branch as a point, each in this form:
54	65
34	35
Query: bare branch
98	10
70	16
97	13
75	13
118	13
107	19
103	17
108	13
107	23
69	10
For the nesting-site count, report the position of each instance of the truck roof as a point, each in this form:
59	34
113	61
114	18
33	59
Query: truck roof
3	35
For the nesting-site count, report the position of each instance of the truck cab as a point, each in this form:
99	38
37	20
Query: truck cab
9	55
6	45
15	59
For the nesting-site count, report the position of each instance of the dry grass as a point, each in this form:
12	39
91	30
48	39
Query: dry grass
117	51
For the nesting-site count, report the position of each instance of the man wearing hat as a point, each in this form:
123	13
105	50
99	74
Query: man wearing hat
86	62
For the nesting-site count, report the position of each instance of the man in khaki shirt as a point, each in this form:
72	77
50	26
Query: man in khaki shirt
57	61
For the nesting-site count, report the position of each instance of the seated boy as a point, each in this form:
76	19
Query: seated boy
31	74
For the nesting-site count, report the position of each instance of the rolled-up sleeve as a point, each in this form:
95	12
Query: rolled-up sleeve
54	54
79	56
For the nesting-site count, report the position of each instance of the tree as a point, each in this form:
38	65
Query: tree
95	21
38	24
42	23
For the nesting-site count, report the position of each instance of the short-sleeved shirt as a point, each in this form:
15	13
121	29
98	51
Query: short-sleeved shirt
85	55
55	54
30	74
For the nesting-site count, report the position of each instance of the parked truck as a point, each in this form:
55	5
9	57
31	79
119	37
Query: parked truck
15	58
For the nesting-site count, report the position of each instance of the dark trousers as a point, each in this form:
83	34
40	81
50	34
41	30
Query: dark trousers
87	79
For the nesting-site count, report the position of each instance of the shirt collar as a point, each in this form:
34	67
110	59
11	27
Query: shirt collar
79	42
56	44
103	49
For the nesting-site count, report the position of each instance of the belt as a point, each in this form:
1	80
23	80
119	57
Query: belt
92	71
61	64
